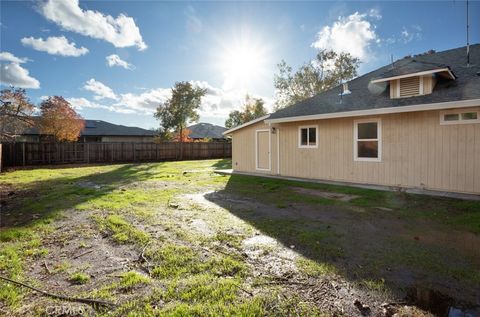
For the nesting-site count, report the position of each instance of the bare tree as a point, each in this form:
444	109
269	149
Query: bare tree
15	113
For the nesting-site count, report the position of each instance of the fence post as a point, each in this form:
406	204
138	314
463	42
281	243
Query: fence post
134	153
88	153
23	153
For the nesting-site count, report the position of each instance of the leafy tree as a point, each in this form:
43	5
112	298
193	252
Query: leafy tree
253	108
183	137
326	71
15	112
180	108
59	120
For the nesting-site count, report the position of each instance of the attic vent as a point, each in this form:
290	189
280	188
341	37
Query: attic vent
410	86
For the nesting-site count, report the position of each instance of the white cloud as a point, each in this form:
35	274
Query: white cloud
216	104
120	31
55	46
80	104
15	75
145	102
9	57
353	34
375	13
100	90
409	34
12	74
115	60
193	23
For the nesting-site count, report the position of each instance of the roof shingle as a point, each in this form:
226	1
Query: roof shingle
103	128
365	95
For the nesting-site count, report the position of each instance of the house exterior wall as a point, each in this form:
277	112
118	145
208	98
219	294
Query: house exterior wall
417	151
243	149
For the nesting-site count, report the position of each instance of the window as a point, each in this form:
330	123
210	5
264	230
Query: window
459	117
308	137
367	140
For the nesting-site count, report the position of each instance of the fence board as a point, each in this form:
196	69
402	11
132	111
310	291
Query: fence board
24	153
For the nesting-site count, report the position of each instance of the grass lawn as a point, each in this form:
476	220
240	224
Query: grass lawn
176	239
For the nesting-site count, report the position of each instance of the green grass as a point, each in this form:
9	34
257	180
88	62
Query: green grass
131	279
315	269
176	260
79	278
131	201
122	230
429	259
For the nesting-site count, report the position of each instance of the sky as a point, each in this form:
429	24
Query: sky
117	60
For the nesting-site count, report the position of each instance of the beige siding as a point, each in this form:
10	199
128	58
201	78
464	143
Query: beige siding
416	152
243	148
428	84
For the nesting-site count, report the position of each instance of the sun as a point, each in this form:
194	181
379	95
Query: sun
243	64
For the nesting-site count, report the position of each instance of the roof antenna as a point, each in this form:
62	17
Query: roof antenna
468	39
391	60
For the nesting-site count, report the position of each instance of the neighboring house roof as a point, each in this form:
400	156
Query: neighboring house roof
367	96
246	124
103	128
204	130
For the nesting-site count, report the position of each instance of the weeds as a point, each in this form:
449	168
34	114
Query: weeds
79	278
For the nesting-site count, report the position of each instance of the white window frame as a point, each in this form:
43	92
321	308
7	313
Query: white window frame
300	146
269	150
460	120
378	139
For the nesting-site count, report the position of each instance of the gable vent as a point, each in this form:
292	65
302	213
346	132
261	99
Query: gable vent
410	86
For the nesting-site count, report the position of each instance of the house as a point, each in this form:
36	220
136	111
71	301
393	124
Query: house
205	130
99	131
413	124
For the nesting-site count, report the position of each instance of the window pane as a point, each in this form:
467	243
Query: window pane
469	116
450	117
312	136
367	130
367	149
304	133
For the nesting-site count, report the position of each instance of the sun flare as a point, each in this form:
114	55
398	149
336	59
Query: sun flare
243	65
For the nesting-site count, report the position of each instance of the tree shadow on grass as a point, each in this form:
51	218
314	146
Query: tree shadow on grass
223	164
371	247
38	201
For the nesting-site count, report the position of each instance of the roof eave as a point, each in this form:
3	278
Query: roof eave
246	124
379	111
426	72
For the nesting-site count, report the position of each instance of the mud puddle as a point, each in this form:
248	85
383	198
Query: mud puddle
440	304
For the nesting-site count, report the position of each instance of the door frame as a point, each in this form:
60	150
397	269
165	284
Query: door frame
269	150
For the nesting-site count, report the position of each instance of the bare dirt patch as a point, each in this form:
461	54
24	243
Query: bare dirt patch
201	227
76	246
323	194
343	258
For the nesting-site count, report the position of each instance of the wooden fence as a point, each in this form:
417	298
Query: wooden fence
24	154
